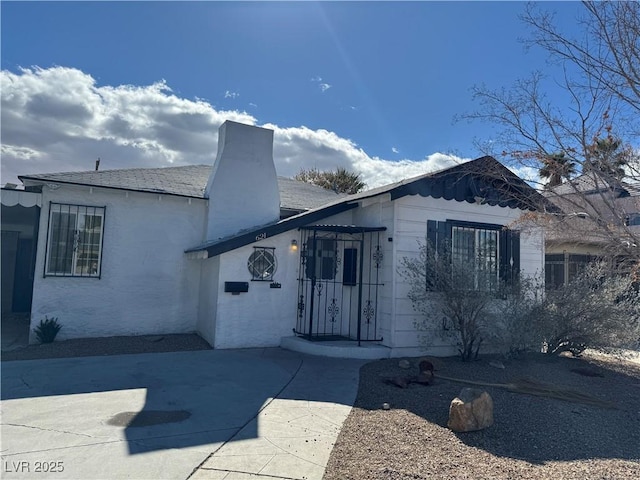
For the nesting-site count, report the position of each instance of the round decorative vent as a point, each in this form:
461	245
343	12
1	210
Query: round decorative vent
262	264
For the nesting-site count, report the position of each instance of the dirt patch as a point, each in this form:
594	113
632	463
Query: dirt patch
532	437
90	347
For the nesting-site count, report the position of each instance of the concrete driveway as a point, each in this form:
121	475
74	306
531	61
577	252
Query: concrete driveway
201	415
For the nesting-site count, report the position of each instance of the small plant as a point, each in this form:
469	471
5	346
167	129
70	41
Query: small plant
47	330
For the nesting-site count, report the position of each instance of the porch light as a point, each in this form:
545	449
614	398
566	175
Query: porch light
294	245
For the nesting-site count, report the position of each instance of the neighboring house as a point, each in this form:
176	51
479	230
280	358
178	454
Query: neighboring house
246	259
20	214
598	219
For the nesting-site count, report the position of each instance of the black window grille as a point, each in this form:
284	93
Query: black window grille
74	241
554	270
492	250
262	264
478	248
563	268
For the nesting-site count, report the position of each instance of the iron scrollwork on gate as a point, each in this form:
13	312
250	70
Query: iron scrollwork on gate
339	281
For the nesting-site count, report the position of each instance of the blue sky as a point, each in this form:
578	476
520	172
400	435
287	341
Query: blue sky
372	86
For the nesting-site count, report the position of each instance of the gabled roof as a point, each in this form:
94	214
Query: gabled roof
186	181
484	180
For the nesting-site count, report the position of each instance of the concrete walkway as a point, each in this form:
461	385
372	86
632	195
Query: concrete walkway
200	415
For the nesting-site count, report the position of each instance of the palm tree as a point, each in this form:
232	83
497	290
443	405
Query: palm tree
605	156
340	181
557	167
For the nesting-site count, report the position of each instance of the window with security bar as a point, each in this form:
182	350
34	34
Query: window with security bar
477	247
490	252
74	241
262	264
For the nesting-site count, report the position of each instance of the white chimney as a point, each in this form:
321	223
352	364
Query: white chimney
243	186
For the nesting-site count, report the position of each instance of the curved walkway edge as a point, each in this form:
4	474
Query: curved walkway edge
208	414
296	430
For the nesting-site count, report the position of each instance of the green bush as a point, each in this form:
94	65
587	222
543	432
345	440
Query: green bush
47	330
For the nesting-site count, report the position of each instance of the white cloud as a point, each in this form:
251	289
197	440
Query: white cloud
230	94
58	119
323	86
395	150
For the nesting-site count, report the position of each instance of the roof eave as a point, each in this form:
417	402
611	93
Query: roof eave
45	181
266	231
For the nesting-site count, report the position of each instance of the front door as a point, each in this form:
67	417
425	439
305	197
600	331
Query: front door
338	285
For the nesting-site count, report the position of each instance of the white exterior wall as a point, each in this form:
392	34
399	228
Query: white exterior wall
263	315
243	186
378	212
574	248
410	230
147	284
208	299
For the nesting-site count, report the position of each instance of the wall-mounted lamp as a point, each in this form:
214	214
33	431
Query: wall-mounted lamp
294	245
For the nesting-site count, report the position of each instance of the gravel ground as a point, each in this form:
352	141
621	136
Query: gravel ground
88	347
532	437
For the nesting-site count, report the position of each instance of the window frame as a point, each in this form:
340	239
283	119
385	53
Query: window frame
492	274
440	235
266	276
77	211
322	254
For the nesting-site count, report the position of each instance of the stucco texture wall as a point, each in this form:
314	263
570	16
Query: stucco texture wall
147	284
263	315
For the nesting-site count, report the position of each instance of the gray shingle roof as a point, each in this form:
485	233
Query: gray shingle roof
461	183
590	183
186	181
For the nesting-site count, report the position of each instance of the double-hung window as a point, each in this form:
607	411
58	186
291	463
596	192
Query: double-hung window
477	248
490	253
74	241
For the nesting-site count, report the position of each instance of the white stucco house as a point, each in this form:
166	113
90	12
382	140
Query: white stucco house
247	259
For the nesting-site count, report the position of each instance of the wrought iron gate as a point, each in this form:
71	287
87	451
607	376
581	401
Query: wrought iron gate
339	276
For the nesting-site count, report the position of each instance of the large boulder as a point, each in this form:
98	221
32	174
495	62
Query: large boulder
471	410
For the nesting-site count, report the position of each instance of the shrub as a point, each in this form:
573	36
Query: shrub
444	295
515	327
597	309
47	330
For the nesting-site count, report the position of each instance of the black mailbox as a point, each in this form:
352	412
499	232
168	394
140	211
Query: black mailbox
236	287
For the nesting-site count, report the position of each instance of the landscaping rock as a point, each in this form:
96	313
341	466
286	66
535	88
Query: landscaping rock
404	364
425	366
471	410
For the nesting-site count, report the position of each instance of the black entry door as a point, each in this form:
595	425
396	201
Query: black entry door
23	283
338	287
